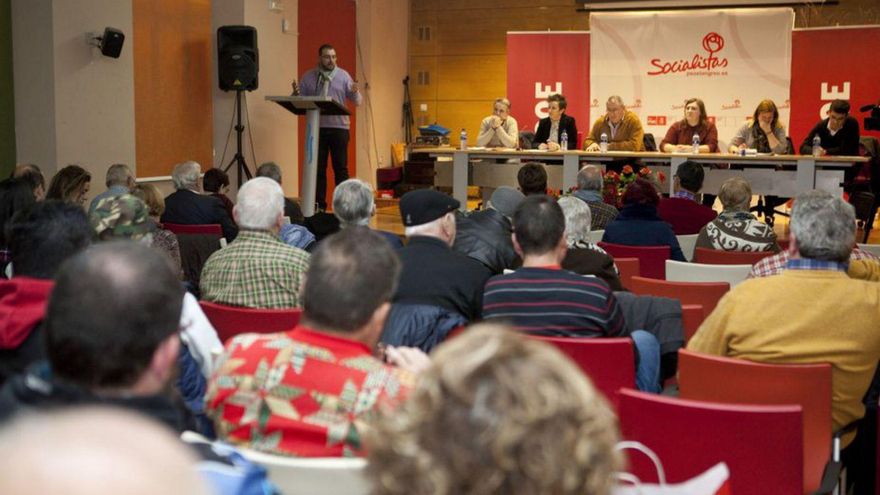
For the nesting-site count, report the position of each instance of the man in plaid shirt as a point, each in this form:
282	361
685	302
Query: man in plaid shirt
774	265
257	270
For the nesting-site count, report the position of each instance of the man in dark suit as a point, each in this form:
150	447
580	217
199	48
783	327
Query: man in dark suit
188	206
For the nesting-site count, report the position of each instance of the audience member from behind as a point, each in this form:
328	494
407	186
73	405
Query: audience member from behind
680	136
91	451
71	185
291	207
682	211
119	180
543	299
639	224
590	184
736	229
15	195
432	273
354	205
163	239
550	128
31	174
110	337
215	183
318	382
584	257
485	235
188	206
257	270
810	300
622	128
497	414
500	129
41	237
532	178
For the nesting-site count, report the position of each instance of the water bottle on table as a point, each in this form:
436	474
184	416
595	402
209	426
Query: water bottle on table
696	143
817	145
462	139
563	141
603	143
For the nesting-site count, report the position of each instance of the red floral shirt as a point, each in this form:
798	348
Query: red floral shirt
300	393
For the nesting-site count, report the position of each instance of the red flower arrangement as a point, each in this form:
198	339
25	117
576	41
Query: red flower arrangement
616	184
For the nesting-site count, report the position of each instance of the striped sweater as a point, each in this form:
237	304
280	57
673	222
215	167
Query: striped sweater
552	301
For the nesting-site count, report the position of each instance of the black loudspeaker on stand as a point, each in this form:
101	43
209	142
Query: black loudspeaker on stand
238	67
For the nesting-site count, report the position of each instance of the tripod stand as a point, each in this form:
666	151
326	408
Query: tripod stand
242	168
408	120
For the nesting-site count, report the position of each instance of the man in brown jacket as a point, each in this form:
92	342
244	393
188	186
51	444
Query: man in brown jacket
623	128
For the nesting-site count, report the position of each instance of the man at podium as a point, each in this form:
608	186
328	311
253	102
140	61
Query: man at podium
327	79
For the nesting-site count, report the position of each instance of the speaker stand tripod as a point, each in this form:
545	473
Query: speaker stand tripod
242	168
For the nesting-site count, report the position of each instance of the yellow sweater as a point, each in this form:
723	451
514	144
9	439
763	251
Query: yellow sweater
629	136
798	317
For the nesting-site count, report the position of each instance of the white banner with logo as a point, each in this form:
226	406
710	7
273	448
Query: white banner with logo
655	60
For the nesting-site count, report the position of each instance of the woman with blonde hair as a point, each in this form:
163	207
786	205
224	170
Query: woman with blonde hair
496	413
164	240
763	133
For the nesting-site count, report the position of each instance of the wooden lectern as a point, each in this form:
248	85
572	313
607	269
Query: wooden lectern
312	107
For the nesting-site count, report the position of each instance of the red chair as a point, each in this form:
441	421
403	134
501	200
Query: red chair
230	321
692	316
609	362
736	381
706	294
208	229
718	257
628	268
761	445
652	259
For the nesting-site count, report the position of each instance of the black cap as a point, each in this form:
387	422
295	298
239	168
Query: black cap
425	205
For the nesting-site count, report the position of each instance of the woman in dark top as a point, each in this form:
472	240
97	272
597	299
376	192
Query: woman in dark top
584	257
638	223
216	183
70	184
549	134
15	195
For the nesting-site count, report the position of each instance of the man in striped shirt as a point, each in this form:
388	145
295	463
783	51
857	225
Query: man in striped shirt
543	299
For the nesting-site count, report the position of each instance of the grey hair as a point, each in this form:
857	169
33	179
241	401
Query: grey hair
353	202
431	228
118	174
615	99
260	204
578	220
186	175
735	194
824	226
503	101
270	170
590	178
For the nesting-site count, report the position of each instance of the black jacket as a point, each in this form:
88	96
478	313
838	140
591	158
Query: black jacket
566	124
191	208
844	143
485	236
435	275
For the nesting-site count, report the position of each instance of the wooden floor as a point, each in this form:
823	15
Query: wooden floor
388	218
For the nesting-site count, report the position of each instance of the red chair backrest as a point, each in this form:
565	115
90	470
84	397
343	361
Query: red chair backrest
761	445
718	257
628	268
230	321
609	362
652	259
736	381
692	316
706	294
210	228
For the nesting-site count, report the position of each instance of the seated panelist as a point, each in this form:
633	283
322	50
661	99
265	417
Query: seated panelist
621	127
550	128
764	132
680	136
500	129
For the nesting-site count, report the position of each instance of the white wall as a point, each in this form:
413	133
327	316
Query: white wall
72	104
274	130
383	28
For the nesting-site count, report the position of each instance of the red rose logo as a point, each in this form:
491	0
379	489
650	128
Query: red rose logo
713	42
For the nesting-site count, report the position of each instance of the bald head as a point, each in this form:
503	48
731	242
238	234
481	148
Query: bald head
93	451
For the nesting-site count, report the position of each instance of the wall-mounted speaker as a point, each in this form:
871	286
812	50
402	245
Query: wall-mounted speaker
238	60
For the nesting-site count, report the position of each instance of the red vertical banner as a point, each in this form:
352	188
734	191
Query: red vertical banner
832	63
332	22
543	63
